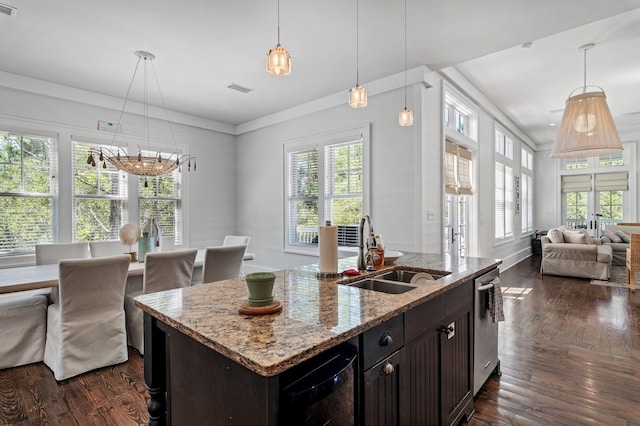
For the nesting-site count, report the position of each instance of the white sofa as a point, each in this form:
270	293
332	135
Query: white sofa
618	237
573	253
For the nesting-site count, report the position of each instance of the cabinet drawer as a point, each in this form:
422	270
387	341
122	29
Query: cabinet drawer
382	340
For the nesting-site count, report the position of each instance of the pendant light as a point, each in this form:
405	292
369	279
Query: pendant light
357	94
278	59
142	165
587	128
405	118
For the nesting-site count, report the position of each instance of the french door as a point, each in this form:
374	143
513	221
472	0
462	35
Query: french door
593	210
456	224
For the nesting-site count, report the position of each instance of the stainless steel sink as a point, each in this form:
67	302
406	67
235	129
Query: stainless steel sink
404	275
382	286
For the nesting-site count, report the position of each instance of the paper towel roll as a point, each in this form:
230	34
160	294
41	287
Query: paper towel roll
328	242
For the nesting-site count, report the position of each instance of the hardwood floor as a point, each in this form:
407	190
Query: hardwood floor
569	351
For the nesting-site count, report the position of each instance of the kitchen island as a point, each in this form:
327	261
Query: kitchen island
219	366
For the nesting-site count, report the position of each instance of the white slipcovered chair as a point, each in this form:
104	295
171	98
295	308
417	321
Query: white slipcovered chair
222	263
162	271
47	254
23	327
108	248
86	326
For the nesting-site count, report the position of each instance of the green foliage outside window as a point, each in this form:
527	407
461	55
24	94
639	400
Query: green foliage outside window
27	188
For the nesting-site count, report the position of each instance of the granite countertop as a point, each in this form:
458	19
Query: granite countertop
317	313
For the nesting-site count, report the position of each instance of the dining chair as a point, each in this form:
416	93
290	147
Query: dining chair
237	240
108	248
47	254
86	325
162	271
23	329
222	263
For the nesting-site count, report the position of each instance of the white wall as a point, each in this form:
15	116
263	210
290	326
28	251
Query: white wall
210	191
396	203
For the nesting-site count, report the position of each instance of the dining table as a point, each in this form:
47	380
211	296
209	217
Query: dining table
36	277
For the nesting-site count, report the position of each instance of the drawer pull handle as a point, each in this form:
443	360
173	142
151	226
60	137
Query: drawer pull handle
386	340
387	369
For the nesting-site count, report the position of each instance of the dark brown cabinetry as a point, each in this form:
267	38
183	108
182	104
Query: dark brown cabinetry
438	367
383	359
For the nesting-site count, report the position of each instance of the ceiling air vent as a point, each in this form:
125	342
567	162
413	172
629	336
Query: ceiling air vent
239	88
5	9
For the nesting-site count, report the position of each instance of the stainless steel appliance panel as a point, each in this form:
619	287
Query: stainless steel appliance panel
485	359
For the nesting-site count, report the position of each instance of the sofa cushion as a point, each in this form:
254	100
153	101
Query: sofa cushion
605	254
555	235
605	239
623	236
612	236
574	237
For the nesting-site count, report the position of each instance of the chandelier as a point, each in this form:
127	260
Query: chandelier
139	164
587	128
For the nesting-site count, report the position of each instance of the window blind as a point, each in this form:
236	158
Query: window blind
99	196
344	183
457	172
612	181
576	183
303	196
161	199
28	188
503	201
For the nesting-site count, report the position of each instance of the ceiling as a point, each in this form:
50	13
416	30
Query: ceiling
202	46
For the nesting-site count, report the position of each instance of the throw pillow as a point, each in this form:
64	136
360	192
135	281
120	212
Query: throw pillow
623	236
574	237
612	236
605	239
555	235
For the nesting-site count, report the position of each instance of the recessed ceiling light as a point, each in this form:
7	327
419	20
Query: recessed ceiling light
552	124
239	88
7	10
527	45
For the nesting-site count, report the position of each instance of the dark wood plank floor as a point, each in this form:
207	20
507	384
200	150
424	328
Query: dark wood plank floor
570	355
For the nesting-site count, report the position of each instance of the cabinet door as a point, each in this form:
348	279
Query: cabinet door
382	392
456	351
420	401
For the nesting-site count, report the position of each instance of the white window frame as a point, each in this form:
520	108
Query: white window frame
455	105
504	196
52	194
526	190
123	196
319	142
178	198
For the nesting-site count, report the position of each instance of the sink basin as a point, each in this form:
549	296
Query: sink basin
381	286
405	276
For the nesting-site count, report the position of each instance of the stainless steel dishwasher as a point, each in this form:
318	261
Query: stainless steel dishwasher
485	351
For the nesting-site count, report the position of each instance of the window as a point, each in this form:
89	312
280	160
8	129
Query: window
504	145
611	160
504	201
575	163
504	182
460	117
325	182
458	170
28	188
99	196
526	190
160	197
